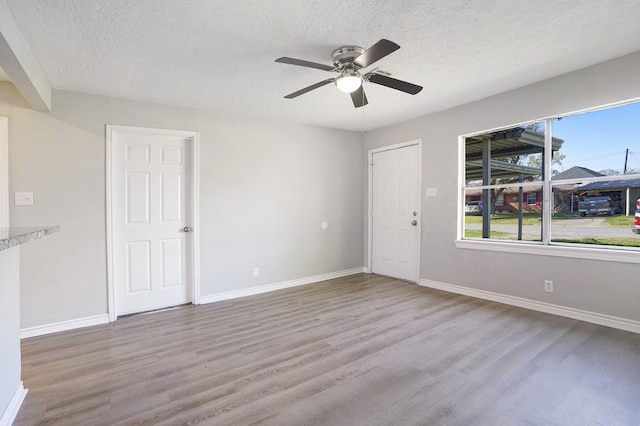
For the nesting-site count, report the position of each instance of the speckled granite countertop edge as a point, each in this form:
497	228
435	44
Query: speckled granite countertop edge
11	237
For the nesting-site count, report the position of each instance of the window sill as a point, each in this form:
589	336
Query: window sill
558	250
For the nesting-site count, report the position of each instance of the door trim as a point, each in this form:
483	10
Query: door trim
194	247
4	172
417	142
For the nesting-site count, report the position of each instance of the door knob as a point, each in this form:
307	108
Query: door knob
414	223
187	229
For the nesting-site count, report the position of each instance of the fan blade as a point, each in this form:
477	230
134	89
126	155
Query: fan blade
308	89
308	64
359	98
375	53
403	86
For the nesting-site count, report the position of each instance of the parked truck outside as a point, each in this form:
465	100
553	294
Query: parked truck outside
597	204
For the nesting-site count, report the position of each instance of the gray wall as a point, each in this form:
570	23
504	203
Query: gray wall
265	188
597	286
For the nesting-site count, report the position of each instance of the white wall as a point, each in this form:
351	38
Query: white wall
10	381
265	188
608	288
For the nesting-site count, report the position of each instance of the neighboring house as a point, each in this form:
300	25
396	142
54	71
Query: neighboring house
507	201
531	200
566	196
576	172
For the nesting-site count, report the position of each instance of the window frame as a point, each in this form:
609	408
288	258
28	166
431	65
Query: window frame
545	247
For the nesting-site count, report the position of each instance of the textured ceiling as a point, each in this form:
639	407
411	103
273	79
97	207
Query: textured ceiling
220	54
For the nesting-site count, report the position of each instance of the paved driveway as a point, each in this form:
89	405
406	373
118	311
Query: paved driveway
567	228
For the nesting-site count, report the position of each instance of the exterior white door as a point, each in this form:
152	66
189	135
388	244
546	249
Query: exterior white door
150	217
395	212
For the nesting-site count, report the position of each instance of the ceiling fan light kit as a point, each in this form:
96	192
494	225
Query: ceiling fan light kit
349	81
348	61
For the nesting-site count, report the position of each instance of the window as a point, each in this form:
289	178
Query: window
570	180
506	165
531	198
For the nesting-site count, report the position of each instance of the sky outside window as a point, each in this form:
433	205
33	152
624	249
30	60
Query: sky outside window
598	140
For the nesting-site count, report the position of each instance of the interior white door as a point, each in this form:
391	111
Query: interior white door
396	212
150	220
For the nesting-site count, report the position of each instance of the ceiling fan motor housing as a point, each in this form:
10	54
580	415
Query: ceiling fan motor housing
344	56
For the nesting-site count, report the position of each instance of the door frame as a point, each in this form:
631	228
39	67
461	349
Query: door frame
373	151
4	172
194	247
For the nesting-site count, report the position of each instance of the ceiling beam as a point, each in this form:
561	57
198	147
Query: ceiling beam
504	166
512	142
507	152
20	65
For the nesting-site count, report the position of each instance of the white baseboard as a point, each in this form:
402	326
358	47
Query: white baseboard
40	330
592	317
278	286
10	413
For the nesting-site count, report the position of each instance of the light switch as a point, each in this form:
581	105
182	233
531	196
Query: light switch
430	192
23	198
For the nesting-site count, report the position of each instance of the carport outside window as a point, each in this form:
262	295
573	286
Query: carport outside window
569	180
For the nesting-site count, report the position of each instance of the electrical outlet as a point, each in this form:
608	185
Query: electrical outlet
548	286
256	272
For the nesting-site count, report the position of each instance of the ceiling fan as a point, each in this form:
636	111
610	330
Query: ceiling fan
348	61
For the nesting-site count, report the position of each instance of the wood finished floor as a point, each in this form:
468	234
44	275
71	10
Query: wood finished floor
361	350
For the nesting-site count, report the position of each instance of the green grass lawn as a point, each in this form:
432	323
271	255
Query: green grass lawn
508	218
620	221
604	241
511	218
562	216
472	233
